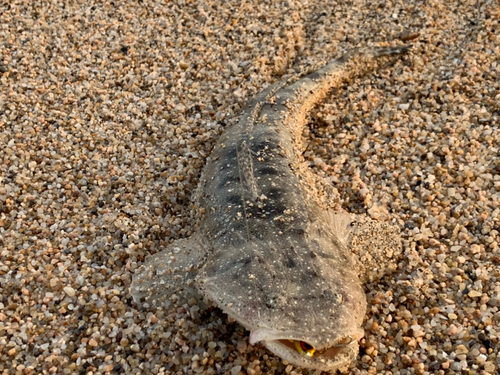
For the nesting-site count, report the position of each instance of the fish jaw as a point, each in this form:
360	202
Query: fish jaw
340	352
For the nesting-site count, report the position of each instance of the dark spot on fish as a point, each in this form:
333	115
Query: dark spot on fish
289	262
229	180
274	301
336	297
312	272
260	146
232	265
229	154
267	171
324	255
235	200
274	193
237	225
270	303
312	255
296	232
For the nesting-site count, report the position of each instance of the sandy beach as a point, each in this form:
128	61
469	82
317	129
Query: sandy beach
109	110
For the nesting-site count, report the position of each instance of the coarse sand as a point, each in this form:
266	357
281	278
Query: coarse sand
109	109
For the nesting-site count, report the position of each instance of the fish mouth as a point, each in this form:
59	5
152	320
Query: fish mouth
309	350
340	352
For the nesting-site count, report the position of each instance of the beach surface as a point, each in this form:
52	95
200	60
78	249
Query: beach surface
109	110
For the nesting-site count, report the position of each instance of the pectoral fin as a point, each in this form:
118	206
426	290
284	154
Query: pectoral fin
341	225
167	272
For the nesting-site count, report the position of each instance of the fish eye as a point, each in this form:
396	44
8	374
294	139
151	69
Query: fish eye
304	348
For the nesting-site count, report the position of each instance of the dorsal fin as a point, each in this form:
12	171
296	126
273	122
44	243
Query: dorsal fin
247	177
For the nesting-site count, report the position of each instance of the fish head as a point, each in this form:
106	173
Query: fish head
300	298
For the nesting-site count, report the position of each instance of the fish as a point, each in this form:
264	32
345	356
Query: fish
267	252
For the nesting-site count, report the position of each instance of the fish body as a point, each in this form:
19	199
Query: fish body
266	251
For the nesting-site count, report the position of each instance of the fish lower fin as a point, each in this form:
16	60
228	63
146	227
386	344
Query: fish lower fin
168	272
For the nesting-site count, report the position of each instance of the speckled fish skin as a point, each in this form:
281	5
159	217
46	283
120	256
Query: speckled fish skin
266	252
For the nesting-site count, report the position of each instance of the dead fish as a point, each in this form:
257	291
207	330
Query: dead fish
266	252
